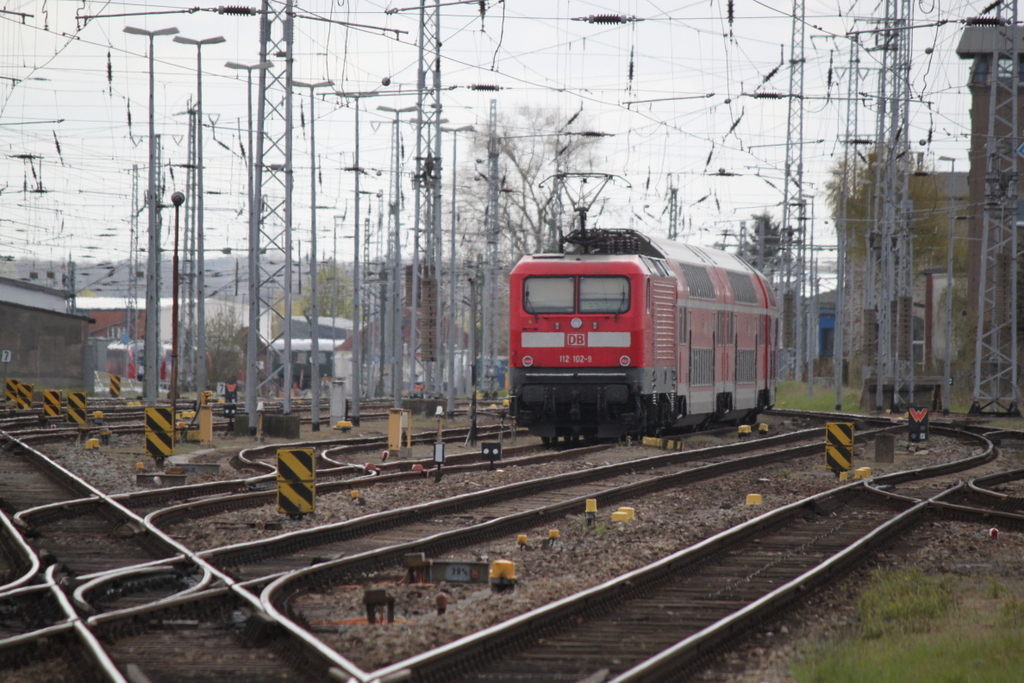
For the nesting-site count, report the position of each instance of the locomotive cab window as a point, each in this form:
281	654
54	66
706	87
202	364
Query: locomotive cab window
548	295
604	294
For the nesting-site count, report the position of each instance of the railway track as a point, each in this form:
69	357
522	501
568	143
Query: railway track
671	618
209	619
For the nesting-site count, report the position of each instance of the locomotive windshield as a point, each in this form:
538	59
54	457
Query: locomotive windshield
548	295
604	294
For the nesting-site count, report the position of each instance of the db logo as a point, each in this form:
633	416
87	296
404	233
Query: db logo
577	339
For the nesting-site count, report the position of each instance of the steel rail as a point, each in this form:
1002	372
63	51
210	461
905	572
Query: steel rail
681	655
312	644
21	554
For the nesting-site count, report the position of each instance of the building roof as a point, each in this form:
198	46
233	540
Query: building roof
981	40
33	296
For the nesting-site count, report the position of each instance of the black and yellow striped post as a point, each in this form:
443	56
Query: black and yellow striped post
159	434
296	481
24	399
76	408
51	403
115	386
839	446
11	391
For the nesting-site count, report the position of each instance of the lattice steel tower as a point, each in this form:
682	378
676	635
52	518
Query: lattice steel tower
426	260
995	352
892	242
270	232
793	190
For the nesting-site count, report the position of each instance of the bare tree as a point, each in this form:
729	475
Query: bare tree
534	145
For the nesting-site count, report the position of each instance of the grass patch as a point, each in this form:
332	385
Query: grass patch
912	627
793	396
903	602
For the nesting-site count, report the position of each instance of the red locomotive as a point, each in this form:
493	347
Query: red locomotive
628	335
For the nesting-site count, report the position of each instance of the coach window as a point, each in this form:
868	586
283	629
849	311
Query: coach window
548	295
604	294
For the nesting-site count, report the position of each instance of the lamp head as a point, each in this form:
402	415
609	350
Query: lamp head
177	199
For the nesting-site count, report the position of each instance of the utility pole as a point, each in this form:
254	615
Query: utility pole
397	337
491	265
272	190
314	334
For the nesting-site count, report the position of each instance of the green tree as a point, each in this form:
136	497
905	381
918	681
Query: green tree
929	220
225	342
334	292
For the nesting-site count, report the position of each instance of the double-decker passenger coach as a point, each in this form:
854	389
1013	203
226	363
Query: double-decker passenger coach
624	334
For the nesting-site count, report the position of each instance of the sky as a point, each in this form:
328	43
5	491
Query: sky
671	90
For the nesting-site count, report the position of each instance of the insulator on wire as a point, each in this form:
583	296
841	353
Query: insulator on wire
607	19
236	9
484	86
767	96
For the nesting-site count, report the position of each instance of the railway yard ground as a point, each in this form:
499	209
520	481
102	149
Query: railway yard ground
982	573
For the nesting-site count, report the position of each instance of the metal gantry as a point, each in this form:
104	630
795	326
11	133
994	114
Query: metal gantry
270	233
995	353
892	234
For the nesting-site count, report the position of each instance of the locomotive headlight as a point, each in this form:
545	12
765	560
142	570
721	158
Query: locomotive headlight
576	323
624	361
527	361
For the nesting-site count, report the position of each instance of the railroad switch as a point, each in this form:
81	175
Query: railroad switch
503	576
357	497
619	516
92	444
743	431
762	429
343	425
375	599
754	499
522	542
629	512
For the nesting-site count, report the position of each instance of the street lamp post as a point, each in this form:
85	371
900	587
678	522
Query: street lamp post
452	331
947	369
399	339
314	335
251	369
152	341
177	199
200	259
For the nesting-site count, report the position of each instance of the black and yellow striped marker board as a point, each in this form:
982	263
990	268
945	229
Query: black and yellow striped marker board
159	433
51	403
839	446
24	399
296	481
115	386
76	408
11	391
